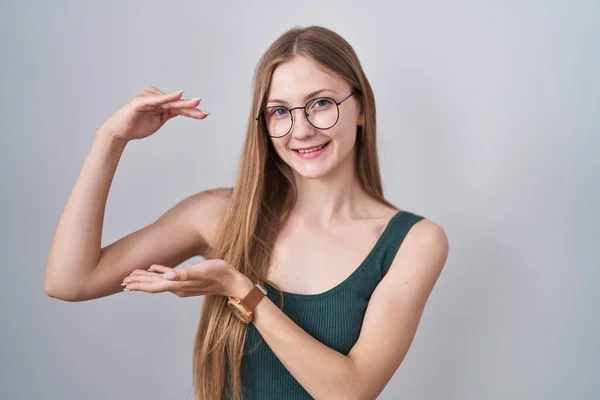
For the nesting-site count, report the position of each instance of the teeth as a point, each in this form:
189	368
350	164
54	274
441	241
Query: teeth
311	150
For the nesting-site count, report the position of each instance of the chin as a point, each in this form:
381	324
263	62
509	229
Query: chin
311	174
313	170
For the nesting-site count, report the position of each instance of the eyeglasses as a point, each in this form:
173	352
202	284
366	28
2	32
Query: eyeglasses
322	113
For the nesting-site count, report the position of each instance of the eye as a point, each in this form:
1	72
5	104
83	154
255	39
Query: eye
320	104
278	111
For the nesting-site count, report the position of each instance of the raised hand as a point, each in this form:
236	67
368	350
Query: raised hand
145	113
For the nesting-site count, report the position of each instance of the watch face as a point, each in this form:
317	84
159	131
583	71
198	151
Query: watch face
237	311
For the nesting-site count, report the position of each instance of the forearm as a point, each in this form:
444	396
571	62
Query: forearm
322	371
76	245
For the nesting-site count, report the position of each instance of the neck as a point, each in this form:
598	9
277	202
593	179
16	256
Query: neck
332	198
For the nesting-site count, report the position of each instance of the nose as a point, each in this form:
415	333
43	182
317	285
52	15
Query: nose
301	127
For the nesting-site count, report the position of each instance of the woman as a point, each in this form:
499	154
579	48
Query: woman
347	274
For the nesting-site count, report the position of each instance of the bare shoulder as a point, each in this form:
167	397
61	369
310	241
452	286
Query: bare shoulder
425	239
428	231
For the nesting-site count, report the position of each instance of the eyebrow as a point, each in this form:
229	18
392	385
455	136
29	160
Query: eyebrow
308	96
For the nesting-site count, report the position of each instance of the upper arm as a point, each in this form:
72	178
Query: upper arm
395	308
184	231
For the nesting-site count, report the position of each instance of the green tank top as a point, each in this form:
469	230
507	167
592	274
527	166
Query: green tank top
333	317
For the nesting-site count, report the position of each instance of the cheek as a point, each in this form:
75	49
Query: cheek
280	146
345	137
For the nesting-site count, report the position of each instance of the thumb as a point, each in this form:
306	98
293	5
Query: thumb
170	275
178	274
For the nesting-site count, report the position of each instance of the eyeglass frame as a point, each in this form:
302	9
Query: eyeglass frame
337	104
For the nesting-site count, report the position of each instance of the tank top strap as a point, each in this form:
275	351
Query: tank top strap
393	236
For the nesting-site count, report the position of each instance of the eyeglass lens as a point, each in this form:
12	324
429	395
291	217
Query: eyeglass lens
322	113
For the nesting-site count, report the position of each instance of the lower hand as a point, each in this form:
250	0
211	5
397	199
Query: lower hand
213	277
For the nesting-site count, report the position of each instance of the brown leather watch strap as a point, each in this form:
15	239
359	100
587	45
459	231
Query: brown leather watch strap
253	298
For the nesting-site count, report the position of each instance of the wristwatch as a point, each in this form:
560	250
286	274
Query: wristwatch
244	309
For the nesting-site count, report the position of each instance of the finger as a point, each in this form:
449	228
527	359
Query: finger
141	278
141	272
154	90
159	268
198	273
158	286
167	273
189	112
162	285
171	274
158	99
189	103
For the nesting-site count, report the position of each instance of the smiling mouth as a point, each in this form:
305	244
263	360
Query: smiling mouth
312	149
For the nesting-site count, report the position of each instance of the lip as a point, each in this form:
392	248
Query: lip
313	154
310	147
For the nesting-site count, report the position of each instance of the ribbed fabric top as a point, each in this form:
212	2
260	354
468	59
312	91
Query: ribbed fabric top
333	317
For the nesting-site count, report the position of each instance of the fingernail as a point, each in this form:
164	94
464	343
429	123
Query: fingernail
127	290
180	91
205	112
124	284
196	98
170	275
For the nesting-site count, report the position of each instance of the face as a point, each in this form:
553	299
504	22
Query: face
293	84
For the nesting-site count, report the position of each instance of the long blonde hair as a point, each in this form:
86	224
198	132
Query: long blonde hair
263	195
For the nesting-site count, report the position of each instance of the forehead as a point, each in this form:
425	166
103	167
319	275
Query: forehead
293	80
